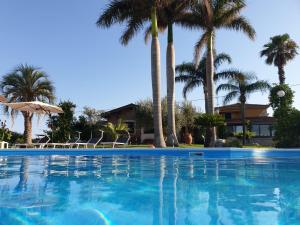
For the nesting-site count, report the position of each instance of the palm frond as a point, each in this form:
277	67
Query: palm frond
260	85
242	24
188	68
189	87
199	46
230	96
227	87
117	11
230	74
221	58
134	25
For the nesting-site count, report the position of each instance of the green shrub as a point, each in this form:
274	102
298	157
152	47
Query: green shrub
287	127
208	121
248	135
5	134
233	143
287	130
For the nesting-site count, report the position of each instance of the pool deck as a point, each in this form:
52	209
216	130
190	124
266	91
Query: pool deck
200	152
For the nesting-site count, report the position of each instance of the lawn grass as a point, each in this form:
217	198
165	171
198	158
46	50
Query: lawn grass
193	146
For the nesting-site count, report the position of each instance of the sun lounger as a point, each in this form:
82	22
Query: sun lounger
42	142
68	144
120	140
91	142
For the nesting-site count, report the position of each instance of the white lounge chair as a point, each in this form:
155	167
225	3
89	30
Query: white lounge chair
69	143
41	143
91	142
120	140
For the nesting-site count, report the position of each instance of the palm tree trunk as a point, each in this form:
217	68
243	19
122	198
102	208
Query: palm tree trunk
243	120
155	73
171	132
210	84
27	127
205	98
281	74
207	139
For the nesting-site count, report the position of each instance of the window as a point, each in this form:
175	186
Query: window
238	128
227	116
255	129
131	127
263	130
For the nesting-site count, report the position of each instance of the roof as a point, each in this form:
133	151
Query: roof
117	110
254	120
238	105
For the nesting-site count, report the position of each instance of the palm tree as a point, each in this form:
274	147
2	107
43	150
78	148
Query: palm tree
195	75
210	16
135	14
169	13
113	130
240	86
24	84
279	51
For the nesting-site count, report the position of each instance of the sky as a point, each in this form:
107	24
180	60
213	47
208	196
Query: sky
90	67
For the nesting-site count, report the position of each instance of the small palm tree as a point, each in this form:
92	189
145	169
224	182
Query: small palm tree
279	51
210	16
113	130
195	75
240	86
24	84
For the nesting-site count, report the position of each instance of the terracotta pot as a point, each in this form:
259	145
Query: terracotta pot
188	138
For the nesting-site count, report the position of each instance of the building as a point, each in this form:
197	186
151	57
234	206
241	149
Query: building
127	114
257	117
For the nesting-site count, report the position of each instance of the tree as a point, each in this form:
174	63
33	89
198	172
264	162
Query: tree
135	13
114	130
187	115
25	84
209	121
195	75
169	13
287	126
62	125
92	116
283	103
144	114
240	86
210	16
279	51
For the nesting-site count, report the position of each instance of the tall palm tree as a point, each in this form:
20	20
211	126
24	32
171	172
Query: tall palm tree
240	86
169	13
195	75
24	84
135	14
279	51
210	16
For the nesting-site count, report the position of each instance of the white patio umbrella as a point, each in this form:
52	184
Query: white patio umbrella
34	107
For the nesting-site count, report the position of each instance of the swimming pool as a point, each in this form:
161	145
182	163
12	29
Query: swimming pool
146	187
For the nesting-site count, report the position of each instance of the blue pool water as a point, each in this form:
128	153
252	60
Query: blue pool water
154	190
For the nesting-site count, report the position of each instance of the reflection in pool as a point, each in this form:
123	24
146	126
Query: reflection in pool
94	190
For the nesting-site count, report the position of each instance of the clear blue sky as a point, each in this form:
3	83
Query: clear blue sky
89	66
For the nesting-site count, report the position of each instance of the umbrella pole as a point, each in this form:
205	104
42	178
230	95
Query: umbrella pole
51	125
